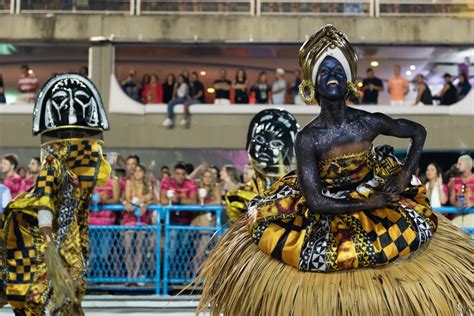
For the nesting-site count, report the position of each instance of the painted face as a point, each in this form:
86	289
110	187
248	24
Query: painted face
331	79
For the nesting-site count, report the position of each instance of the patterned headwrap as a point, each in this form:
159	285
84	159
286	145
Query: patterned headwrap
328	41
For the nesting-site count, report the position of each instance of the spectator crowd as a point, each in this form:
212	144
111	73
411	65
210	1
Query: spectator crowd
187	89
134	184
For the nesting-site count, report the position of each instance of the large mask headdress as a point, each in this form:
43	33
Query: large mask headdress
69	101
270	141
328	41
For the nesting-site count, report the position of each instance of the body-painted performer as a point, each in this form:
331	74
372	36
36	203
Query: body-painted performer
352	232
270	145
45	235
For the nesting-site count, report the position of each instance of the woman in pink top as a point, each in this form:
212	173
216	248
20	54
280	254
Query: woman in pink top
138	195
109	193
101	240
461	192
153	92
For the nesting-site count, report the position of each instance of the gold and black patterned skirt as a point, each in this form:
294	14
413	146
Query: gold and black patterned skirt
282	226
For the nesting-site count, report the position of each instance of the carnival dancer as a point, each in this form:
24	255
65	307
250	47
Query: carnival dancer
270	141
45	235
351	232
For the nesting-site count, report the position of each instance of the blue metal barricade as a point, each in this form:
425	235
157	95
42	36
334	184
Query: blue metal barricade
165	255
187	246
123	257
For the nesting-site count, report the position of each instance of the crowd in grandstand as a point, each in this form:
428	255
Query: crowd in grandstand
187	89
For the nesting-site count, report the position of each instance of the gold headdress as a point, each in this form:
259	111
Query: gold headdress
328	41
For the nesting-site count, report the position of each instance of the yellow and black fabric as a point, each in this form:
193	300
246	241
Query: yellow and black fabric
282	226
70	170
237	201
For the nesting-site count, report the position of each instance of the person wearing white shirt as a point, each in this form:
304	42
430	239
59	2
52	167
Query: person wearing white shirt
279	87
5	197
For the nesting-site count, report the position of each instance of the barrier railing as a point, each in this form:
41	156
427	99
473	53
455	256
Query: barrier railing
7	6
425	7
130	257
316	7
242	7
186	247
161	257
374	8
76	6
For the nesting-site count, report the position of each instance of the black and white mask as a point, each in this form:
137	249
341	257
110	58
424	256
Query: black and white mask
270	140
69	100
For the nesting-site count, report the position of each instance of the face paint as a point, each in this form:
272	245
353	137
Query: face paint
331	79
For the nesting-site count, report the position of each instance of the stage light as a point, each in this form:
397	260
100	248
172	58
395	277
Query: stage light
408	72
360	84
202	73
30	72
412	67
210	90
374	63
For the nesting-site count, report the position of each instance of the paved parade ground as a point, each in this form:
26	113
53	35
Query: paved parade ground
104	305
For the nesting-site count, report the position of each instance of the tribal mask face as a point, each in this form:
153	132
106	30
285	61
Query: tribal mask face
69	100
271	138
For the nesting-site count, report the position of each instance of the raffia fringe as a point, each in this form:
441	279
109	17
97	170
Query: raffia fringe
61	282
239	279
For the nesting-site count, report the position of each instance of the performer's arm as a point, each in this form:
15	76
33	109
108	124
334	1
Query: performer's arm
311	187
403	129
45	223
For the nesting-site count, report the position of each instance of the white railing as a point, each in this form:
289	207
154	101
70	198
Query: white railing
373	8
244	7
76	6
316	7
7	6
459	8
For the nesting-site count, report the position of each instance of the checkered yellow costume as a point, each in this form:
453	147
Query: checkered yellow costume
282	226
237	202
23	246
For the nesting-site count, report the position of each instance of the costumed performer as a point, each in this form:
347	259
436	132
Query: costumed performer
352	232
45	234
270	146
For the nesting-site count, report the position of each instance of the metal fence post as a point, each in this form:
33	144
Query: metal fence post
166	251
219	222
158	253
